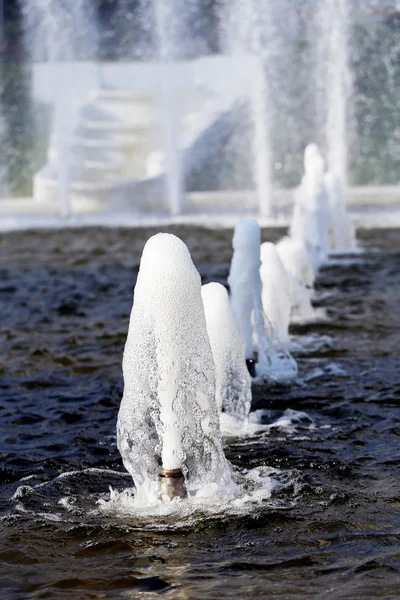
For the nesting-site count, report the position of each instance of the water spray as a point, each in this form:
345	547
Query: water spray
169	380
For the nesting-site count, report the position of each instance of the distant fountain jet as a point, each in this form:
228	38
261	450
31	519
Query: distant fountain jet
264	361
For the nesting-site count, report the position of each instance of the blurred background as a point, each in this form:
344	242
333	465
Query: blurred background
34	32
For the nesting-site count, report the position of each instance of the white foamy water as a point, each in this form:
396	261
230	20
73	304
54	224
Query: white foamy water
249	490
252	490
244	279
289	422
260	421
66	500
302	310
295	255
342	236
246	290
168	415
312	342
276	292
311	218
233	382
326	370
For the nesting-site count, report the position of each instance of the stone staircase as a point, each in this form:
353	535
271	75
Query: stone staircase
115	153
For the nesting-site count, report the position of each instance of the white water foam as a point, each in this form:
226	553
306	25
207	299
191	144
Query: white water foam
311	215
302	311
276	292
252	489
260	421
233	382
168	415
295	255
246	289
342	236
310	343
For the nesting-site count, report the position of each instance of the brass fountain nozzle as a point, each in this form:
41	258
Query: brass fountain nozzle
172	483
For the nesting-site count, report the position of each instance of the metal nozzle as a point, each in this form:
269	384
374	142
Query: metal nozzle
172	483
251	366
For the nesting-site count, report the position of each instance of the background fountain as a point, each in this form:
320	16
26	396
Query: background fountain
333	81
305	79
246	28
61	34
170	27
311	215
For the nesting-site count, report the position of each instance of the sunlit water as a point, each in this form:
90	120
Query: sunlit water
317	514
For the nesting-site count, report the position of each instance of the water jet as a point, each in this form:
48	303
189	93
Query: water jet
246	300
168	425
276	292
342	237
311	218
296	257
233	382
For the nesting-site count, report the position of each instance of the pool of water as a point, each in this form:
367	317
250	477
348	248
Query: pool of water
331	528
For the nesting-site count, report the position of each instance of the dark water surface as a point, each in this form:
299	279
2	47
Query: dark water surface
65	299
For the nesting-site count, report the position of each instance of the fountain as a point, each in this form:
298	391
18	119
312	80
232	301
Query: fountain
4	184
302	311
66	524
233	382
276	292
295	255
245	285
169	18
246	29
61	35
333	24
311	218
342	237
168	422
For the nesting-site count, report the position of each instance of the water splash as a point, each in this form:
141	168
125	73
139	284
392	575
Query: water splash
253	488
73	498
296	257
342	237
168	416
311	218
289	422
244	279
246	290
333	18
246	29
233	382
276	292
169	18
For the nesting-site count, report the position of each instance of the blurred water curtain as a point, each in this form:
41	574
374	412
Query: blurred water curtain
329	72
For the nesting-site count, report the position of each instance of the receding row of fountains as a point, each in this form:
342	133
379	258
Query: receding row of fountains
193	351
